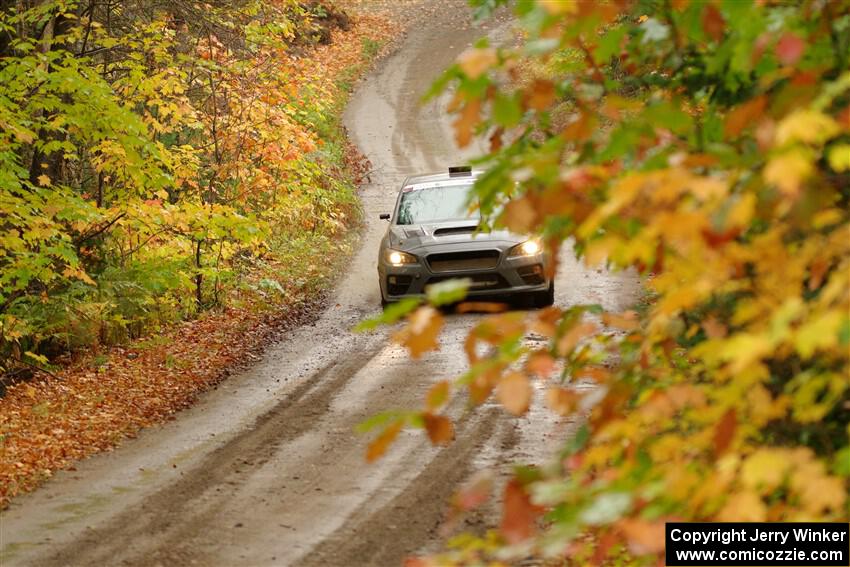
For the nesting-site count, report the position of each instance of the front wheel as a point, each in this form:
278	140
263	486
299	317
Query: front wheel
544	298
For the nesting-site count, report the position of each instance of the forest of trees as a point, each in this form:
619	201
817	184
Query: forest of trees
155	157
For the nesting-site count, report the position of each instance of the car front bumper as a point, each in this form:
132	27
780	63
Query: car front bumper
512	275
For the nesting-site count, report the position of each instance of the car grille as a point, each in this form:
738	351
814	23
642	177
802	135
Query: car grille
459	261
479	281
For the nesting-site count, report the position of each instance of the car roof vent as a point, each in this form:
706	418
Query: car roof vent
460	171
455	230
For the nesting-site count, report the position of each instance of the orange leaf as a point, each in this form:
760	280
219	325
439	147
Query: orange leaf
744	115
627	320
724	432
581	128
440	429
496	140
644	536
562	401
466	121
482	385
518	514
481	307
540	363
514	393
713	328
572	337
519	215
420	333
541	95
380	445
474	62
595	373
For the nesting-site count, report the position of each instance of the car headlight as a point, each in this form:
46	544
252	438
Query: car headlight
531	247
399	258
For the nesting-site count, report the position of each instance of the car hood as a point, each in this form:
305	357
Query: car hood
412	237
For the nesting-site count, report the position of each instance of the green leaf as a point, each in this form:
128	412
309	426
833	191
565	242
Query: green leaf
606	508
390	315
449	291
507	111
609	44
380	420
668	116
841	465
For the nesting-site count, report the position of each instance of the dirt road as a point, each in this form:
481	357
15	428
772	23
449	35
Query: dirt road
266	469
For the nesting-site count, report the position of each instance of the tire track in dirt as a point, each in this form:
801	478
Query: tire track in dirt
371	538
218	472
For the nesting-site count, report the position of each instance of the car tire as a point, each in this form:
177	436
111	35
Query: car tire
546	298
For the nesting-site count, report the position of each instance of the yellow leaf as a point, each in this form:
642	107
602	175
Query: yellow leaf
807	126
741	212
556	7
44	180
474	62
764	470
839	157
744	506
787	171
819	333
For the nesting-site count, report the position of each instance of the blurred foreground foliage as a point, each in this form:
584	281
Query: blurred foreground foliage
706	145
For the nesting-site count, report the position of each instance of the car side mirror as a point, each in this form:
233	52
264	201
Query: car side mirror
384	216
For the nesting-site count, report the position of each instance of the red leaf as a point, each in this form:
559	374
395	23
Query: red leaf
519	513
789	49
744	116
474	493
712	22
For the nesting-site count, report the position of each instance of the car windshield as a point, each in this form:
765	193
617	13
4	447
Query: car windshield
435	204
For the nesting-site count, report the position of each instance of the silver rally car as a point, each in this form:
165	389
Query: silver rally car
432	237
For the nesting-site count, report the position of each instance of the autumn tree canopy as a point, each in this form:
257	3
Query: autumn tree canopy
155	157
